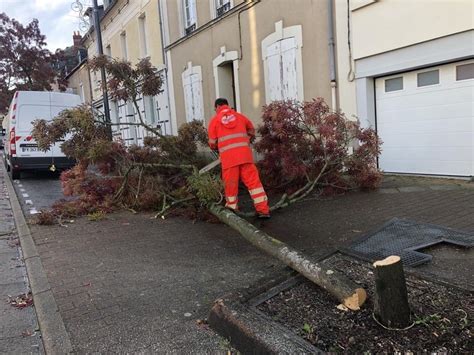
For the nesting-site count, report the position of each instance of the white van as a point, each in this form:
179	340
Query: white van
21	151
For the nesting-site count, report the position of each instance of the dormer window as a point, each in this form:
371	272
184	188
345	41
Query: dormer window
222	6
190	16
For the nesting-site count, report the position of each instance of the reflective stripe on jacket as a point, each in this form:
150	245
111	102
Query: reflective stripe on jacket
229	132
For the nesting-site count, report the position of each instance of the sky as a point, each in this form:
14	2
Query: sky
57	19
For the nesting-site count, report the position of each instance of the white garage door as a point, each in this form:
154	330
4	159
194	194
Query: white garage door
425	119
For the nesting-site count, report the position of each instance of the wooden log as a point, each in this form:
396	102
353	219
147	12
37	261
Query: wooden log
345	290
391	299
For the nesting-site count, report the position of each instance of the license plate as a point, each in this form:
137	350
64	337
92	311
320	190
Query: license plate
29	149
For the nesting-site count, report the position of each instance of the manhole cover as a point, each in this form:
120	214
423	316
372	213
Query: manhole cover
404	237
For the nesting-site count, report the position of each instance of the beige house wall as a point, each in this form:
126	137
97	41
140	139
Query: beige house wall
123	17
256	23
385	25
205	12
81	76
379	26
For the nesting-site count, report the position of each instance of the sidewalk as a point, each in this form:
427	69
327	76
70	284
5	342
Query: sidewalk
19	332
132	283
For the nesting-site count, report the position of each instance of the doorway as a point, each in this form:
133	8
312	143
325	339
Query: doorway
226	82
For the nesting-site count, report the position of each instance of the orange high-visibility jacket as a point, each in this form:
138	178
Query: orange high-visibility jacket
230	132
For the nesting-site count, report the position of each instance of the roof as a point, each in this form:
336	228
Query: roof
76	68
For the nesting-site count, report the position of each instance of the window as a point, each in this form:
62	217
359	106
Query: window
150	110
394	84
142	33
465	72
283	63
428	78
123	43
130	132
108	51
81	93
193	99
222	6
114	115
189	7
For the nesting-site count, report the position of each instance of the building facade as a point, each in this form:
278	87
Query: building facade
79	82
406	68
250	52
131	32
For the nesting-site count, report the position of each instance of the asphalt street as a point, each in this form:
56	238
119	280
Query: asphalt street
37	191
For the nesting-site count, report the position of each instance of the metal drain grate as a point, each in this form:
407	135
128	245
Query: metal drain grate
404	237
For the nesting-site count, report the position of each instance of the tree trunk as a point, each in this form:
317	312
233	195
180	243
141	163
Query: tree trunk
345	290
391	299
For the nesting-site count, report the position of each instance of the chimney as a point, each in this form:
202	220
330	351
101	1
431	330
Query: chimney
76	38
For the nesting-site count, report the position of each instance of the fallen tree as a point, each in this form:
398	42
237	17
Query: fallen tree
304	146
345	290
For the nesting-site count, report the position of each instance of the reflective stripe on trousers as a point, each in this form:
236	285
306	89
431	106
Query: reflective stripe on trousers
249	175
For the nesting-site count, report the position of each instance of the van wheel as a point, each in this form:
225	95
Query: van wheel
15	174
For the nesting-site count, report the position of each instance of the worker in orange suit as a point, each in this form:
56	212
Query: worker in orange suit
231	133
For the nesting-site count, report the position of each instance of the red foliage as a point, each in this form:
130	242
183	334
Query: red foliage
93	192
300	141
25	62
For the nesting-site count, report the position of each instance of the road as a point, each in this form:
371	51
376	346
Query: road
37	191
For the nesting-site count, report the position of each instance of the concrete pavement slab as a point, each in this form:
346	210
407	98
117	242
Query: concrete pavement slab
144	285
18	327
54	336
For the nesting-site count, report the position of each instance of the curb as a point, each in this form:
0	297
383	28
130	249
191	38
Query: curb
236	318
55	337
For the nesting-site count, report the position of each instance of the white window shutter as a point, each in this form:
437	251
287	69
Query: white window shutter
289	76
198	109
131	130
274	71
163	110
140	130
188	97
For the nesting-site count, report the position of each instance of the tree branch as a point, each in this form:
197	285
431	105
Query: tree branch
166	208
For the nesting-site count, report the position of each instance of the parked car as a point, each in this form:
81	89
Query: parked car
21	151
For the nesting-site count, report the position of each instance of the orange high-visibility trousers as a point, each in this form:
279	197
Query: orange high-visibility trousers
249	175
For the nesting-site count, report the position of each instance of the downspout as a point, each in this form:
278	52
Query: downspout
332	55
160	11
165	62
90	82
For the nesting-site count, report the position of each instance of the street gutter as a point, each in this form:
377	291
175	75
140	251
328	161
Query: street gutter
55	337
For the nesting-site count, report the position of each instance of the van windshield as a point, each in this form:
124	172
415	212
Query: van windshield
29	113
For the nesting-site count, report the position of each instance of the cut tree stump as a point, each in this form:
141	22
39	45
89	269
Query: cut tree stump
345	290
391	299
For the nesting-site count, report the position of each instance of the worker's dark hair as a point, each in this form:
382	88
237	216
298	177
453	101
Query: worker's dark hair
220	101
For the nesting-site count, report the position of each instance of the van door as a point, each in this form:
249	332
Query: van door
27	114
